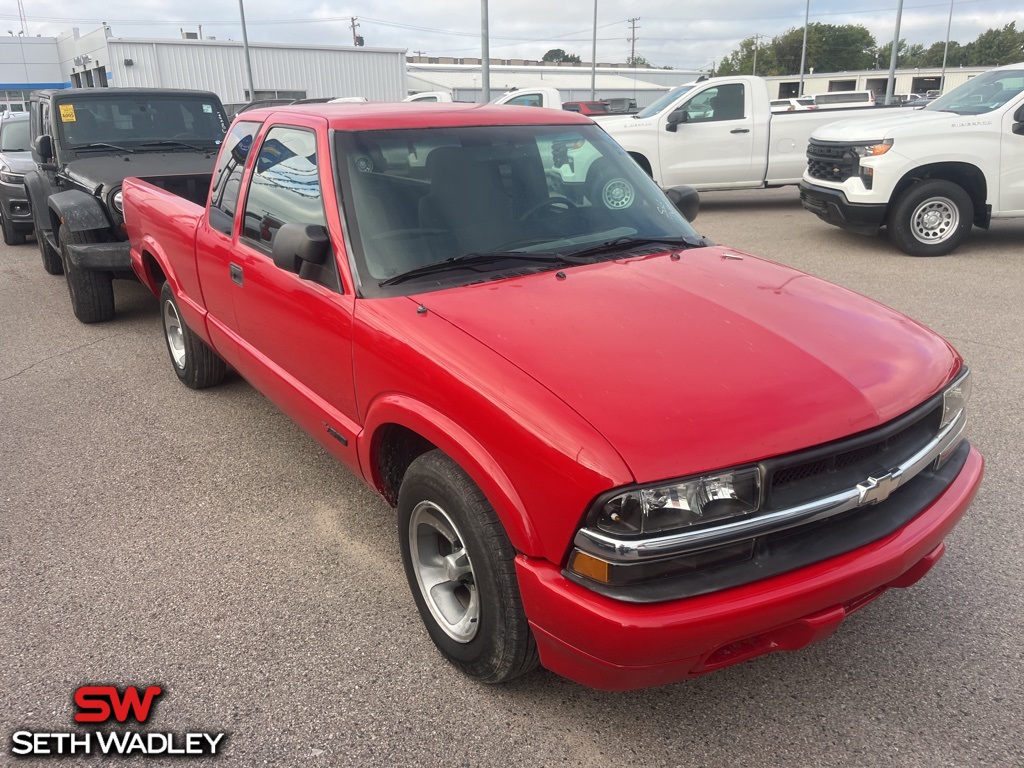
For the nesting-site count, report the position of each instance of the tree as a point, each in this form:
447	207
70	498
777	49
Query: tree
557	56
996	47
907	56
637	61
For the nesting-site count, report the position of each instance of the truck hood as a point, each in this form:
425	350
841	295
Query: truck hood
19	162
707	361
102	171
874	128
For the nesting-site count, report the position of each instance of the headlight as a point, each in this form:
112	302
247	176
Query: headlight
9	177
118	201
681	504
873	149
954	399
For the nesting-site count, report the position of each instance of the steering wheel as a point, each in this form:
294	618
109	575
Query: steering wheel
551	202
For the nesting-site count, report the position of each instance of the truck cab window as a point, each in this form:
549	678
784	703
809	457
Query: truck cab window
227	176
285	186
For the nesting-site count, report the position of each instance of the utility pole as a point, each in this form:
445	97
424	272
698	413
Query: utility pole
803	50
485	50
632	40
355	25
25	22
593	59
245	48
756	38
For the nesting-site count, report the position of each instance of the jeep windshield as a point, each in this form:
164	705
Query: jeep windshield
984	93
139	122
436	207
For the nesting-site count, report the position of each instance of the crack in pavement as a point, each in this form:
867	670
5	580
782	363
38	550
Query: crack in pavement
59	354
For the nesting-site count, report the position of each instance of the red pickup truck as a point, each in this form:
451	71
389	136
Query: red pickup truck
615	448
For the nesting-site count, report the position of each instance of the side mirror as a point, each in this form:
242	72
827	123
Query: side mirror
43	148
298	244
675	118
1018	125
686	200
240	151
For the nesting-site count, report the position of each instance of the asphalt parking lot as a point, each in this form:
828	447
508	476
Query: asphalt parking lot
201	541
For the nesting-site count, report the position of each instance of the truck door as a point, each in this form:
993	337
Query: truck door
296	332
1011	163
708	140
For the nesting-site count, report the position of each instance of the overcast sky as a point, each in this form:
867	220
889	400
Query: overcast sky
683	35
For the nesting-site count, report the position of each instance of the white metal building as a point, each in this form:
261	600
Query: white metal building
279	70
26	63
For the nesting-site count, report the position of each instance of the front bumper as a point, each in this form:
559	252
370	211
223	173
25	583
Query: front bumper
832	206
612	645
16	207
107	257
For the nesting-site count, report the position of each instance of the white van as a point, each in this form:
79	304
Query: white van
838	99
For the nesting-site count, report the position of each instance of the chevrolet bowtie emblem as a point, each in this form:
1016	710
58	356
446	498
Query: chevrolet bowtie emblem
876	489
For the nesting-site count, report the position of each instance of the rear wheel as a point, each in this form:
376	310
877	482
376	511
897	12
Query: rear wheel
195	364
461	570
92	292
931	218
12	236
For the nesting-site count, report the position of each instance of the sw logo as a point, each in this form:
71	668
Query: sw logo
107	703
97	703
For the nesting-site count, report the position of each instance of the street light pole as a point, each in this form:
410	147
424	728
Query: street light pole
891	85
803	51
485	50
945	52
593	59
245	47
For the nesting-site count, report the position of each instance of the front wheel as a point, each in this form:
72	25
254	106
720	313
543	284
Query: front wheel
92	292
461	570
52	262
931	218
195	364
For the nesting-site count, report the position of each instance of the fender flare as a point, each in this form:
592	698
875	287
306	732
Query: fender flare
78	211
463	448
36	188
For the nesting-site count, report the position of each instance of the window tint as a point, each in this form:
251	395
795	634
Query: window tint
285	186
230	165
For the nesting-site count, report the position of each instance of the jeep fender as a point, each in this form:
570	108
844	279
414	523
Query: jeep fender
78	211
38	190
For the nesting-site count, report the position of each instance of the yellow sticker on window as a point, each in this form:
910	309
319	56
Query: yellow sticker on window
67	113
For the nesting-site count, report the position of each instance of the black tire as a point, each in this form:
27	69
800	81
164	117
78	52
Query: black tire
52	262
12	235
195	364
931	218
92	292
501	647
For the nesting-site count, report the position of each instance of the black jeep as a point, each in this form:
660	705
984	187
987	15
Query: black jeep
86	141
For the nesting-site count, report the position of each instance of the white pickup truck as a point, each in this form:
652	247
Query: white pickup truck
721	134
927	175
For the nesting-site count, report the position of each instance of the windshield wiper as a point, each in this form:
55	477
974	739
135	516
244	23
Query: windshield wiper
625	243
174	143
102	145
474	259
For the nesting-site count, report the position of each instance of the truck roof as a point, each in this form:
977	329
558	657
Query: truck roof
386	115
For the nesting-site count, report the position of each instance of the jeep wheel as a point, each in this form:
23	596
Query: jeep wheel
194	363
12	236
931	218
92	292
52	262
461	570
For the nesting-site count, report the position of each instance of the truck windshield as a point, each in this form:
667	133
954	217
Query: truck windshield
984	93
663	102
134	120
520	196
